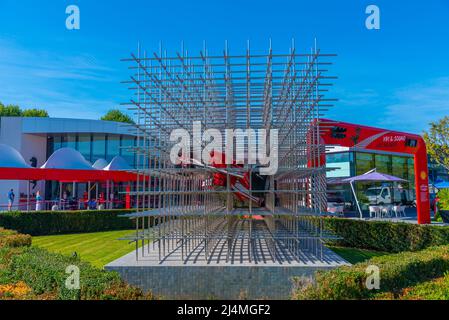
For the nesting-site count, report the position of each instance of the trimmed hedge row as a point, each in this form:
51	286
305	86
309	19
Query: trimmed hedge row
65	222
12	239
45	275
386	236
397	271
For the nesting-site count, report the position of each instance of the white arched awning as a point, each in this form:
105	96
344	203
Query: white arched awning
67	158
11	158
117	164
100	164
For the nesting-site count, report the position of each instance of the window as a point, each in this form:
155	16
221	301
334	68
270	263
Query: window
364	162
57	143
84	145
98	147
383	163
60	141
400	167
127	151
113	149
340	163
71	141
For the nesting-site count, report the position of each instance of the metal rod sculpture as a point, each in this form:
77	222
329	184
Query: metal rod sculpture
195	211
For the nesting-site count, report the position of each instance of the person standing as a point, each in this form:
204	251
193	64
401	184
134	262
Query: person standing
38	201
11	197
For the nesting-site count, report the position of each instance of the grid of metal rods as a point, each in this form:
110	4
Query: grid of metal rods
180	213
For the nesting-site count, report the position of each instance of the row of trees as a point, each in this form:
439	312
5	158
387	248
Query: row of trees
16	111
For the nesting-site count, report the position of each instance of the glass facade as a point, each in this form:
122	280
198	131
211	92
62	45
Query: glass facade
347	164
95	146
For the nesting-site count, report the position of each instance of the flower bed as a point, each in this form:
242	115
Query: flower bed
9	238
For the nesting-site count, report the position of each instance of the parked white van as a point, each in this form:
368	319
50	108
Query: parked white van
388	195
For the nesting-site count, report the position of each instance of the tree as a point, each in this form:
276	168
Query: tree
117	115
37	113
16	111
10	111
437	141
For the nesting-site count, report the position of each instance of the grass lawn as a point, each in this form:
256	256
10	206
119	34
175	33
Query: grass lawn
98	248
353	255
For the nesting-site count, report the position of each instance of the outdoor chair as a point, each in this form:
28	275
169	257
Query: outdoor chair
399	211
386	211
374	210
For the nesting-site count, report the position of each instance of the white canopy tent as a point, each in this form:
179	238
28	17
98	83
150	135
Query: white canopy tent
67	158
100	164
371	175
11	158
116	164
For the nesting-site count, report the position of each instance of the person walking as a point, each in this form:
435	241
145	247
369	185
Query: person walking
11	197
38	201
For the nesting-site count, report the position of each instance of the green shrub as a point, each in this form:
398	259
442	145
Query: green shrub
45	273
443	204
437	289
386	236
10	238
443	199
65	222
397	271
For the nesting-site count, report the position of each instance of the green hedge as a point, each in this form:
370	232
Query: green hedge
65	222
12	239
386	236
397	271
45	274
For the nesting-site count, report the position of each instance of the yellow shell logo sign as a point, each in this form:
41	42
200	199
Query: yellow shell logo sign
423	175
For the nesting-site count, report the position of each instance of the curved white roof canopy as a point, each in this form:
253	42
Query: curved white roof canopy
11	158
100	164
67	158
118	163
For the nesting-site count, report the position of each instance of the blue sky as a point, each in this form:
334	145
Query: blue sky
395	77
